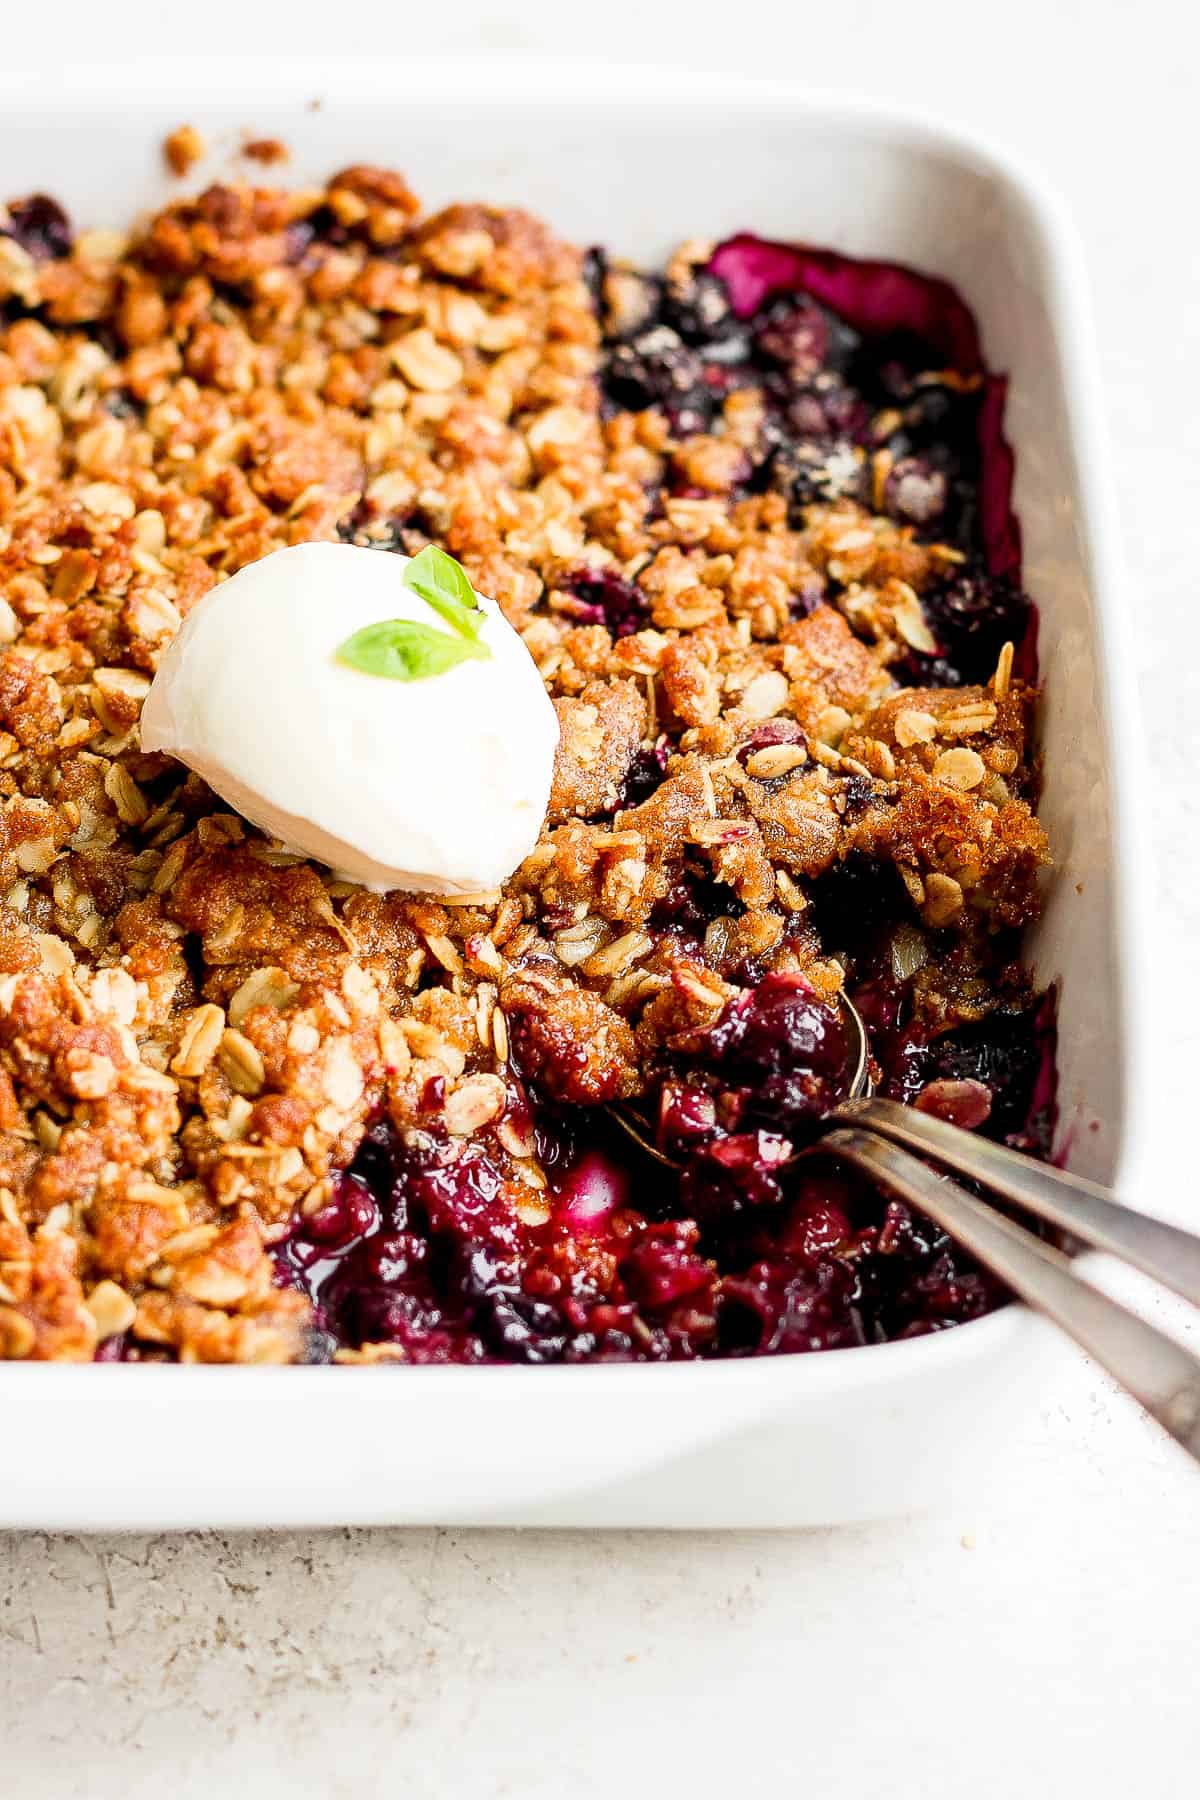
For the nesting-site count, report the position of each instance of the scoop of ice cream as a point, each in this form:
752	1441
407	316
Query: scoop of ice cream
434	781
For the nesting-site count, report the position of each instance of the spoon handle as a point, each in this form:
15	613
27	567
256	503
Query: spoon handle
1158	1372
1083	1208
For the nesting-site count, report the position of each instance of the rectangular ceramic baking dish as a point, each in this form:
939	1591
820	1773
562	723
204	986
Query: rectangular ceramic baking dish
637	160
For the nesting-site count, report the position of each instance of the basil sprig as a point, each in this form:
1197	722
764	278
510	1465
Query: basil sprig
403	650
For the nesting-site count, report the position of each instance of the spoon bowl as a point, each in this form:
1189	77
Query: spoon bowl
640	1131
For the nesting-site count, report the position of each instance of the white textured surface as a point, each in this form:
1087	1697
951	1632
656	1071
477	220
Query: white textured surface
1056	1655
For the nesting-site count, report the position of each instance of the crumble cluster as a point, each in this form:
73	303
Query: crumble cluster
197	1028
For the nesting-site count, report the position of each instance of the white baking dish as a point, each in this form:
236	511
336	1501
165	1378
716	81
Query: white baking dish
637	160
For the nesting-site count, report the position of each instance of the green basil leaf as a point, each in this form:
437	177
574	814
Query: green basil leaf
442	583
400	650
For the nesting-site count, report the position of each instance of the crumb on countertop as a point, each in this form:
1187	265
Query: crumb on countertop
183	148
267	151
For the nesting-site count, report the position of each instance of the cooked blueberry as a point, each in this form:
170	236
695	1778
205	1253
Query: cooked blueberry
973	616
803	337
646	772
609	600
916	670
1002	1053
777	1308
350	1213
687	1116
595	264
698	309
822	408
299	238
664	1268
325	227
730	1175
658	369
856	793
40	226
692	902
785	1047
819	470
521	1329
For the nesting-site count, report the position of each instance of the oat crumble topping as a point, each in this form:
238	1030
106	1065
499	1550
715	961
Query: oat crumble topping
742	581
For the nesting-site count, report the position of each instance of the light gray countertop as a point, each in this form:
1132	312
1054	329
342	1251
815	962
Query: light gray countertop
1045	1644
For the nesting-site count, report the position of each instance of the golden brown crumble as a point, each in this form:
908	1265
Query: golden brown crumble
268	151
195	1025
182	148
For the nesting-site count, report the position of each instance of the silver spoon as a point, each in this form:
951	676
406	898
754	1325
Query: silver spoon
878	1137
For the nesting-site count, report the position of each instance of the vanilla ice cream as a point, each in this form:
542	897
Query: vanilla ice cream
438	785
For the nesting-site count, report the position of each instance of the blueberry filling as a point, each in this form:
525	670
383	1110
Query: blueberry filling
746	1252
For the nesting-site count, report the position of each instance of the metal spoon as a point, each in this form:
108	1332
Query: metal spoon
877	1137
